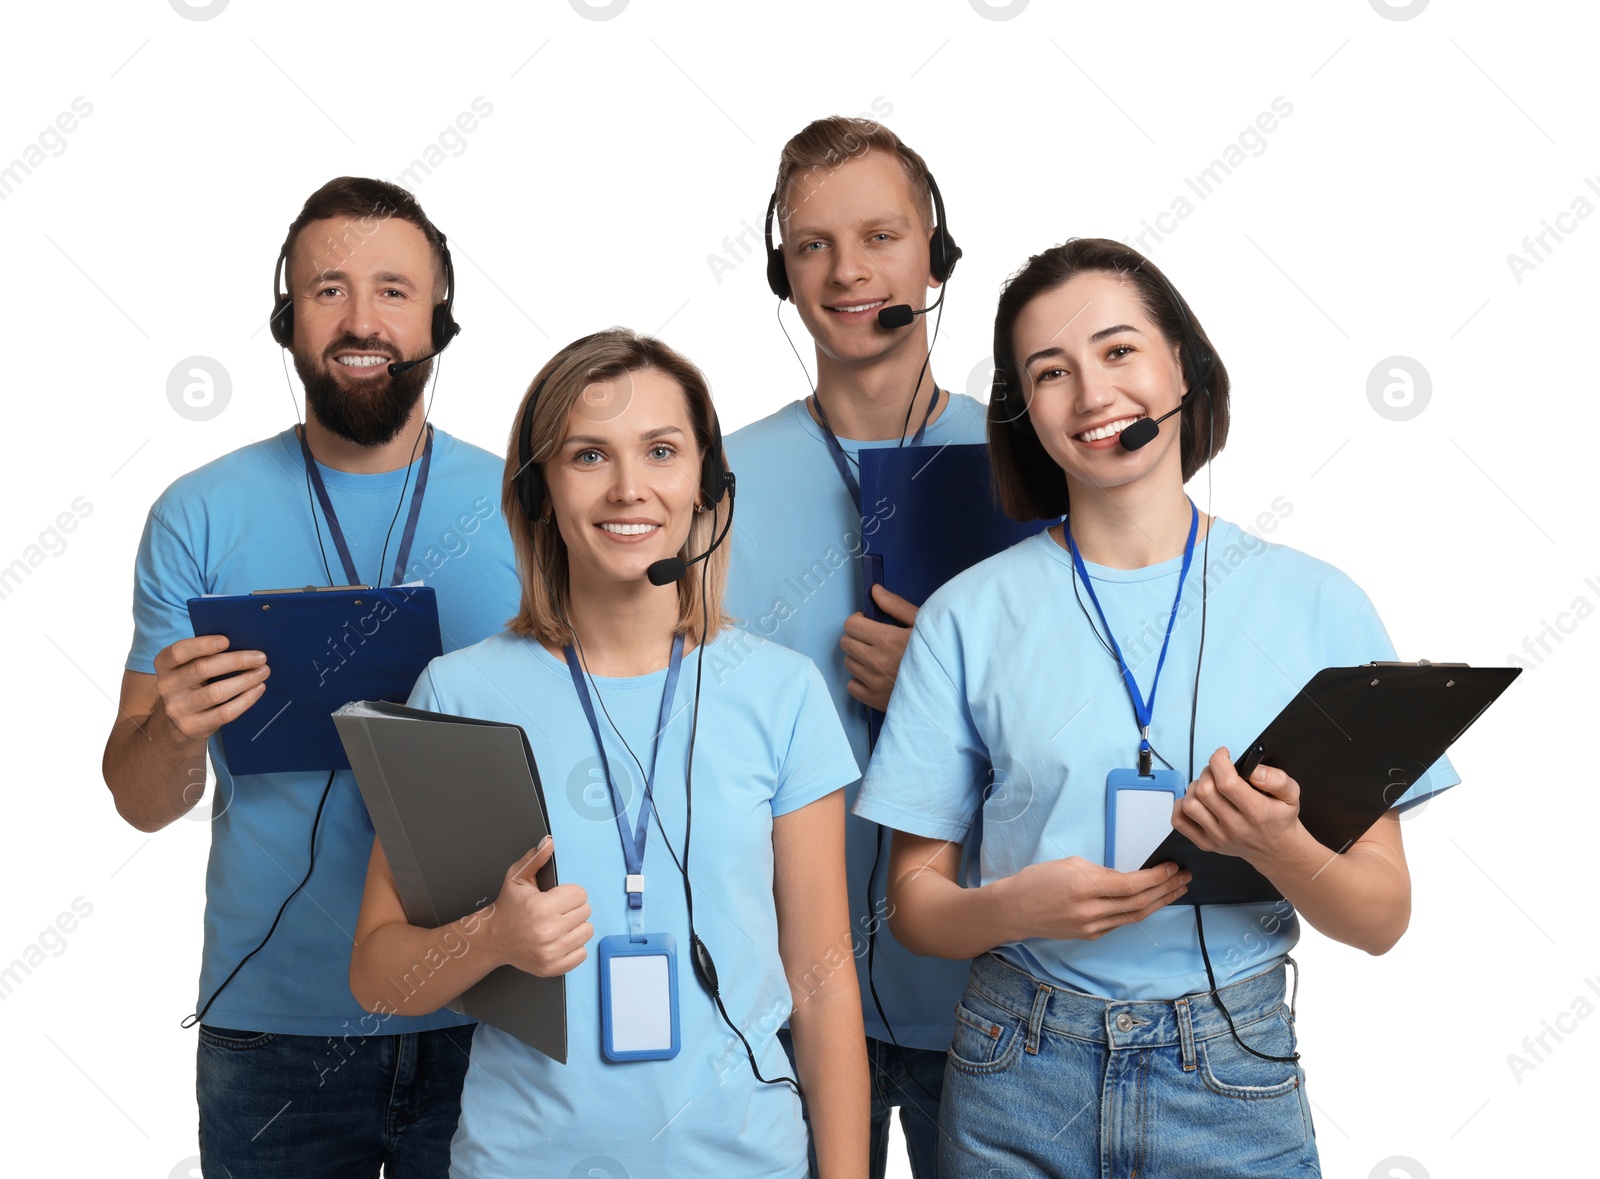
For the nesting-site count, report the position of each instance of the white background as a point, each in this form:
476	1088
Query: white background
618	156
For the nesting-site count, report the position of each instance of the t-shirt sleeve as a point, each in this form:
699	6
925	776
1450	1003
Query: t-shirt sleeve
927	773
818	760
166	574
1364	640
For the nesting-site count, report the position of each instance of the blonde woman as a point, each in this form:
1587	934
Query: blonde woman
703	762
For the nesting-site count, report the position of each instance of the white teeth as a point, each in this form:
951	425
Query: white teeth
362	361
860	306
1107	430
630	529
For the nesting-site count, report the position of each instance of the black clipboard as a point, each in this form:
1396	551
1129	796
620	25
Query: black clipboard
1355	739
324	646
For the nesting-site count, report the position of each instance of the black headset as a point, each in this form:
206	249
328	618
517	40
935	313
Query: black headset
445	327
943	253
529	481
1198	361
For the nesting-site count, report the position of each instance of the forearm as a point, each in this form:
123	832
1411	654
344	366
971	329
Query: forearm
1361	898
829	1043
933	915
155	773
401	969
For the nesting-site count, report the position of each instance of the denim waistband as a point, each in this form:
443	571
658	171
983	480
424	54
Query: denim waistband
1125	1023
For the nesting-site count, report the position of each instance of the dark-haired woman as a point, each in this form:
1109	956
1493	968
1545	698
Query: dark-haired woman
729	782
1093	1038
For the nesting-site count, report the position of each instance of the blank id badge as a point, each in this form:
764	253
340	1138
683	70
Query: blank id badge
639	997
1138	814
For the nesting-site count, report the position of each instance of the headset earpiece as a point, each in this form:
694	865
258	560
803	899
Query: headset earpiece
281	324
444	326
777	275
715	478
943	253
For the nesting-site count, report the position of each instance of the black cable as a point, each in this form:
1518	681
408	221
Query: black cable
1292	1058
311	503
1194	708
872	983
704	967
700	954
877	854
938	318
785	330
905	426
190	1020
383	558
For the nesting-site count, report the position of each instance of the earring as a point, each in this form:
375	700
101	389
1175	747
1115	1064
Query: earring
699	509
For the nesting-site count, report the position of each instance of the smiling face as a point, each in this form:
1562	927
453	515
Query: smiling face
1093	363
854	241
363	298
623	483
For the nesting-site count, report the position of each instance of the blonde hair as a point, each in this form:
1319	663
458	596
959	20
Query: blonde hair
826	145
541	552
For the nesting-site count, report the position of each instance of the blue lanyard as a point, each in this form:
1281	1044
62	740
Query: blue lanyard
1143	709
842	460
632	845
337	533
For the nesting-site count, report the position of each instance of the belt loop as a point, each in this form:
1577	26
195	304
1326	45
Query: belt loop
1041	1000
1185	1034
1294	996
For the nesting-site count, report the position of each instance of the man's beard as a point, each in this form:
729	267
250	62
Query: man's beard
366	416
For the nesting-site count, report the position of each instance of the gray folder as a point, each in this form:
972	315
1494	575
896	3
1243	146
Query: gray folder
456	801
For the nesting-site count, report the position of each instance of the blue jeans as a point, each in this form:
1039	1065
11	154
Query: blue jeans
274	1105
910	1078
1044	1081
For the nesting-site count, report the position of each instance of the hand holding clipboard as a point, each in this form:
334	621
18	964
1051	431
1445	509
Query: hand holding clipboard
1354	740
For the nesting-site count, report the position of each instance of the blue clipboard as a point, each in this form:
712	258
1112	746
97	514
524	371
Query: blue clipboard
927	514
325	647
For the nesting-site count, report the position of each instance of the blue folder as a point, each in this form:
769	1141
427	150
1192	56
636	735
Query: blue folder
928	513
325	647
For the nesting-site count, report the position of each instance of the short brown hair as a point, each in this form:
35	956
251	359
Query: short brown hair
541	551
365	202
826	145
1030	484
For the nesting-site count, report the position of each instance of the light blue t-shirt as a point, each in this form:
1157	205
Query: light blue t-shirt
794	578
1004	672
768	744
245	522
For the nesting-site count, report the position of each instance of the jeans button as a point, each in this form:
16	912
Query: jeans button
1124	1022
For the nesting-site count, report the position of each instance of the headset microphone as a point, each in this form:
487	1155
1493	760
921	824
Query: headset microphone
671	569
1144	431
899	315
405	366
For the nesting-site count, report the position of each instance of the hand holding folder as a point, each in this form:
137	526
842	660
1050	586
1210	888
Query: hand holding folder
448	847
934	516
